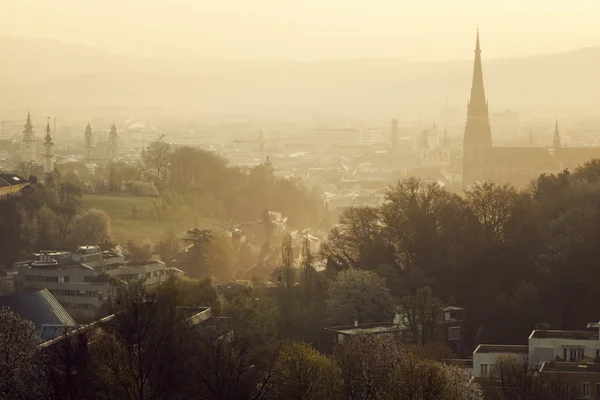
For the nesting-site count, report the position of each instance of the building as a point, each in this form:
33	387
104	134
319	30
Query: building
453	329
517	165
101	150
571	346
486	355
48	151
11	184
41	308
337	334
436	154
28	145
583	378
83	280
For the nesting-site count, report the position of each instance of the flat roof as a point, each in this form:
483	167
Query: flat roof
374	328
570	367
573	335
460	362
502	348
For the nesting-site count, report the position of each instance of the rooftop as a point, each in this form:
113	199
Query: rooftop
372	328
573	335
570	367
11	180
502	348
39	307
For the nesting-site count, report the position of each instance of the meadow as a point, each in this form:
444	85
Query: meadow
132	219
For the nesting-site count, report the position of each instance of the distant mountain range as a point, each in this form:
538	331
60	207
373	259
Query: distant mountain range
45	73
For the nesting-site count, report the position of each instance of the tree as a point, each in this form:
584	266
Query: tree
64	368
516	378
156	160
141	355
18	345
366	362
139	252
242	362
306	374
167	246
420	314
91	227
285	274
493	206
357	242
361	296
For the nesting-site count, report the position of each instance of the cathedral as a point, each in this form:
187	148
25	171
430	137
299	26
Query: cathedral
101	151
516	165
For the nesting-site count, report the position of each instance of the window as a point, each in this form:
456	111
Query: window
454	333
597	389
575	354
484	369
585	389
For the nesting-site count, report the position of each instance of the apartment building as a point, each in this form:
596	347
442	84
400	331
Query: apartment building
83	280
566	346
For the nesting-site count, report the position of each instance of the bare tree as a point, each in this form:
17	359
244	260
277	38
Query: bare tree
156	160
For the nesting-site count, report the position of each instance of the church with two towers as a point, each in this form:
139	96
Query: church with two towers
94	151
517	165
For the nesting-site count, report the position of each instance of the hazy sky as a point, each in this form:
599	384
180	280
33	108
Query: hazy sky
309	29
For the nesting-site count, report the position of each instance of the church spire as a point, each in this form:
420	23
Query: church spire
48	138
556	141
477	103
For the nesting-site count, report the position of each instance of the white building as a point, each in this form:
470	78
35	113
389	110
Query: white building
82	281
486	355
573	346
543	346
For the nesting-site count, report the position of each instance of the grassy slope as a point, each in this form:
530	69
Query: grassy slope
125	227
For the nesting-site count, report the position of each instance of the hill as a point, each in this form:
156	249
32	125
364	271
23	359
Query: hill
51	74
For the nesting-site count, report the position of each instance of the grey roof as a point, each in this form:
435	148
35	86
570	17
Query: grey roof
39	307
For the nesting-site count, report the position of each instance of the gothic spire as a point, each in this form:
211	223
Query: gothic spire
556	141
48	138
477	103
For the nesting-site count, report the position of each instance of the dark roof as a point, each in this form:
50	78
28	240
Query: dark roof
575	335
502	348
39	307
370	328
11	180
581	367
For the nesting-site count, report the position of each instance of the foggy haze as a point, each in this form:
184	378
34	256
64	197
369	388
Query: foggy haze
431	30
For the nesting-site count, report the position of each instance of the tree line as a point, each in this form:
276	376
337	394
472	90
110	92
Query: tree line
150	350
515	259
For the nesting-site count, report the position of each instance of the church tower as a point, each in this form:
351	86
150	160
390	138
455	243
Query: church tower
556	141
113	142
28	145
89	143
478	135
48	151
